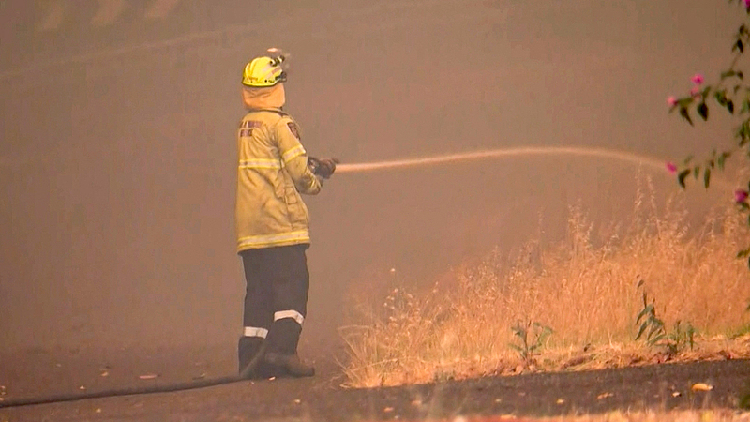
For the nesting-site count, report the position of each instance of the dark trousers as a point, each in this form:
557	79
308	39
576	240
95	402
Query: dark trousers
276	297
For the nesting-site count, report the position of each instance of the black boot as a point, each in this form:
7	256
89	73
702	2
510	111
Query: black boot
250	355
280	358
287	365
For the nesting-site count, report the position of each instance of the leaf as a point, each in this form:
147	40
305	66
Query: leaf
687	101
743	253
646	310
731	72
721	160
516	348
685	115
657	338
730	106
640	331
681	177
707	177
721	97
703	110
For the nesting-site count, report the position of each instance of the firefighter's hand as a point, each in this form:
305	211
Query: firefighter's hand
323	167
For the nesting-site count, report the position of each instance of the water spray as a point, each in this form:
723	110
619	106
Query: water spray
508	152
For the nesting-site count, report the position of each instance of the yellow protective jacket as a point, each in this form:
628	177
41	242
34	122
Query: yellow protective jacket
272	171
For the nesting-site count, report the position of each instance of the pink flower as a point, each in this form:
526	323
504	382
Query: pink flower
747	4
695	91
672	101
697	79
740	195
672	167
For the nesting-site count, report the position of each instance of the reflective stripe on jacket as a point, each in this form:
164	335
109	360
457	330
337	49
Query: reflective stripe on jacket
272	171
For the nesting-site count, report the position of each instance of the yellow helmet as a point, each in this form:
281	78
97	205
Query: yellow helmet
265	70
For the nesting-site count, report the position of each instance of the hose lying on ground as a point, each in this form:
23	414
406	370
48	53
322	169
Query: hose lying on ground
132	391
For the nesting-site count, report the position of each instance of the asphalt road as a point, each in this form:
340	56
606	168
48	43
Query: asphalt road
661	387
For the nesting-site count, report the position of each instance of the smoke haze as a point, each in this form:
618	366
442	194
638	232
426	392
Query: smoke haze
118	144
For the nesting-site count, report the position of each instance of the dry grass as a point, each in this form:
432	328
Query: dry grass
585	288
718	415
675	416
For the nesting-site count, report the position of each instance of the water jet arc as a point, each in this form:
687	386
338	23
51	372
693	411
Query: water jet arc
586	152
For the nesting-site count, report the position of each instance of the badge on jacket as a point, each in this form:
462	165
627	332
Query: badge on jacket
294	129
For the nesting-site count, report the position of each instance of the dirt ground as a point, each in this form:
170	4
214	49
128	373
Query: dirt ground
657	388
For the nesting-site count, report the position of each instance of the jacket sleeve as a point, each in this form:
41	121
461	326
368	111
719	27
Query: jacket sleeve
294	157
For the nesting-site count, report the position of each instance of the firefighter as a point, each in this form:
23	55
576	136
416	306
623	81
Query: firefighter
271	222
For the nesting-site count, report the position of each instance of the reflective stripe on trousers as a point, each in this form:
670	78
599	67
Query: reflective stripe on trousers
256	332
289	313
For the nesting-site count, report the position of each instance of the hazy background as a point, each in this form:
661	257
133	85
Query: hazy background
117	166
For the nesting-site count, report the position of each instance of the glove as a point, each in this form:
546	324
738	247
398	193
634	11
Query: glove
323	167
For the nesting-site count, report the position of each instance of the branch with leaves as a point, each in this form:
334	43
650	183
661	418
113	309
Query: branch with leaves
727	93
